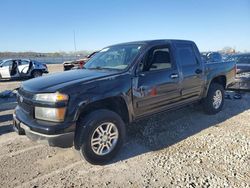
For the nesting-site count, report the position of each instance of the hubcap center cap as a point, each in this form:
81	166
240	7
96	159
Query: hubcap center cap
104	138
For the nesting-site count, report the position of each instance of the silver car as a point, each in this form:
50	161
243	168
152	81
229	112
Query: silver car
21	68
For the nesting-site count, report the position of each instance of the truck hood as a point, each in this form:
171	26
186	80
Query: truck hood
54	82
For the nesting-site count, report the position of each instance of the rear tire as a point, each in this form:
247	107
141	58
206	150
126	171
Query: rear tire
214	101
101	135
36	74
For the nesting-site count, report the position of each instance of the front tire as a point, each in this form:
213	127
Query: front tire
214	101
101	135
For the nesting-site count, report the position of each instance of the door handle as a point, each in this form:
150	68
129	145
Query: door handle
198	71
173	76
142	74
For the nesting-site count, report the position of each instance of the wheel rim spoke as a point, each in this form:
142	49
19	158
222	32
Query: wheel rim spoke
95	141
109	145
100	130
100	148
113	136
109	127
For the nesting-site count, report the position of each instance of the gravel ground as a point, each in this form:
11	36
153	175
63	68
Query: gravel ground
182	148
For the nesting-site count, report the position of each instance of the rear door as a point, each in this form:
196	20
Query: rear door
23	67
156	85
192	70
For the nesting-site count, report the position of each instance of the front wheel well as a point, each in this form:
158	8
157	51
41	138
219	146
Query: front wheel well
36	70
115	104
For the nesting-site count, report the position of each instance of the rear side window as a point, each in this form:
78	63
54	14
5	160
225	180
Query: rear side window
186	55
24	62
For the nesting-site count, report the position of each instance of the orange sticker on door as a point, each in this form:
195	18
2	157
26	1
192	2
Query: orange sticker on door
153	92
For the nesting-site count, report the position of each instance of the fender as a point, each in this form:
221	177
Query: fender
85	103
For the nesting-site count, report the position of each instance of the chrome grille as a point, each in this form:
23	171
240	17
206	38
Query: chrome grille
24	100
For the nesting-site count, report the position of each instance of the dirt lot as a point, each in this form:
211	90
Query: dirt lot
184	148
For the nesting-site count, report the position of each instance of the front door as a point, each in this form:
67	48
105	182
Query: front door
156	85
5	69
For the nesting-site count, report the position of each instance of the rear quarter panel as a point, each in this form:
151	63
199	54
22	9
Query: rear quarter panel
216	69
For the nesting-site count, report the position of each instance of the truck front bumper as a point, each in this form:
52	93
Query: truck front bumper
63	140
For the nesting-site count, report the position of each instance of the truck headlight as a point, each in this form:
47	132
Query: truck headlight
50	114
51	97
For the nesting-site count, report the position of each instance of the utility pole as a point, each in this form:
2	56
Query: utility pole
75	44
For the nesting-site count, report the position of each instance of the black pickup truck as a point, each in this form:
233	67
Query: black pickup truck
89	108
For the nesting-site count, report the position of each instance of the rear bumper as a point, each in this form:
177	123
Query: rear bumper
45	71
63	140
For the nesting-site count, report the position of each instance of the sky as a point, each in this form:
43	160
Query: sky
49	25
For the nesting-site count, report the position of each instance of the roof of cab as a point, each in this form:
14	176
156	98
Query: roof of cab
155	42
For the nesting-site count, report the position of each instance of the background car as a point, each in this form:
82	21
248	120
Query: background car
21	68
77	64
242	79
242	62
211	57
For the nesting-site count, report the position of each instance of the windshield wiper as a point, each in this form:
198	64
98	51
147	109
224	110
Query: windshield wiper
98	68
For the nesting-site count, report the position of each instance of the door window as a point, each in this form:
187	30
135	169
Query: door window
186	55
24	62
7	63
157	59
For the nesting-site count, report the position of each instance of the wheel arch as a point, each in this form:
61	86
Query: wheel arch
38	70
220	79
116	104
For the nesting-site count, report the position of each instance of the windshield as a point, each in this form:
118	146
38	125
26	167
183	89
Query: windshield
114	57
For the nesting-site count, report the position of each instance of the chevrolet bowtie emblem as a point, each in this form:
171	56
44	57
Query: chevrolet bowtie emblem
21	99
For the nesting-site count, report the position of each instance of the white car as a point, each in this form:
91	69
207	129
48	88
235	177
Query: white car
21	68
